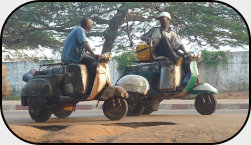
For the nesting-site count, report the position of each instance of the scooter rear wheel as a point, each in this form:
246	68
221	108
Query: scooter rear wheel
138	110
148	112
205	104
148	109
62	114
40	114
115	108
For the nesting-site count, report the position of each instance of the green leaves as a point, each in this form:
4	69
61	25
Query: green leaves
214	58
48	23
213	24
124	60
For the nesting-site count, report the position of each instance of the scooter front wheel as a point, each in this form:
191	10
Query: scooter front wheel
115	108
205	104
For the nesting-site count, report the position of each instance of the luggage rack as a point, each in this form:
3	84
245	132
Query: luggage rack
146	66
154	61
57	68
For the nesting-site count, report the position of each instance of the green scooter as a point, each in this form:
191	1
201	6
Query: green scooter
150	83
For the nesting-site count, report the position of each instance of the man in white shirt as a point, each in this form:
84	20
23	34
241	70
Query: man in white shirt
166	44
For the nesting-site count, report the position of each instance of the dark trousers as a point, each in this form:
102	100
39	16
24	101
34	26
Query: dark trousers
91	65
164	48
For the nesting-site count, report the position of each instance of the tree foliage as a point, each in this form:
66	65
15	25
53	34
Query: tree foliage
214	58
120	24
212	24
124	60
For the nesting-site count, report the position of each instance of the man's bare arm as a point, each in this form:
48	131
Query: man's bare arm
88	48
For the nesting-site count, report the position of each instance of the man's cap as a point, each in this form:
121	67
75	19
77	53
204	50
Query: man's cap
164	14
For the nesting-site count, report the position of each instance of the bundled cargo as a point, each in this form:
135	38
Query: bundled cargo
5	85
29	75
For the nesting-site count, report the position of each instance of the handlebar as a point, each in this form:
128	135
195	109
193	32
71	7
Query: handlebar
106	57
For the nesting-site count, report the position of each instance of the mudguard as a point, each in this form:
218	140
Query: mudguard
101	80
134	83
113	91
43	87
204	88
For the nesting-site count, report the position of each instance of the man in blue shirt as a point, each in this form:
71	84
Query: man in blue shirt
76	45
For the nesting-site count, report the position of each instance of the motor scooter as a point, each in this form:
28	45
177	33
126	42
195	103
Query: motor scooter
59	87
148	83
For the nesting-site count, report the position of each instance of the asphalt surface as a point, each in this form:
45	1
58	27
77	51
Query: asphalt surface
164	105
13	112
21	117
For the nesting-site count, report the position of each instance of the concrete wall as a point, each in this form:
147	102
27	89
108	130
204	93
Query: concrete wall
234	77
16	70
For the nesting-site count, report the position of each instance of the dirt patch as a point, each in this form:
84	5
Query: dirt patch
71	134
180	133
29	133
233	95
87	133
131	132
78	134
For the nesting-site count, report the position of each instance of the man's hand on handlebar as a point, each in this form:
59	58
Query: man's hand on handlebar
97	56
149	41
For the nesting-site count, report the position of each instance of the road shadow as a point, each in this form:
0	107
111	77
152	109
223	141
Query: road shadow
51	127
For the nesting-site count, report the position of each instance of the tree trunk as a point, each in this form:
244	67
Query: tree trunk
112	31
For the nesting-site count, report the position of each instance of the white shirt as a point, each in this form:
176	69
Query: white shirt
154	34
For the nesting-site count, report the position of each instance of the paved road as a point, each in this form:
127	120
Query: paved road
22	117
